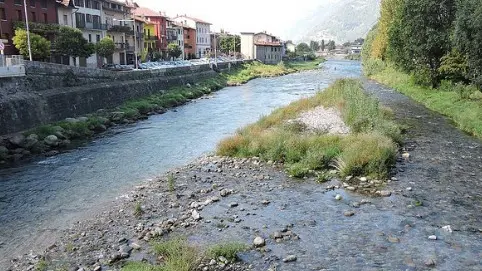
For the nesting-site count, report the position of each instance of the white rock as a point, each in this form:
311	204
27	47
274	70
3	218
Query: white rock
432	237
406	155
447	228
363	179
338	197
409	189
259	241
195	215
289	258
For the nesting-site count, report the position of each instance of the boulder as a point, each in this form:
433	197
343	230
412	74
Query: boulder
31	140
51	140
3	153
17	140
259	241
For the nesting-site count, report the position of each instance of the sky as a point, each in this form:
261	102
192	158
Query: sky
274	16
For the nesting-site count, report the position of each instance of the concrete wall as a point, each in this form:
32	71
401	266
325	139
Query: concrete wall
27	102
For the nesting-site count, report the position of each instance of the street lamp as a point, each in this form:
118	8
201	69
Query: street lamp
135	39
28	31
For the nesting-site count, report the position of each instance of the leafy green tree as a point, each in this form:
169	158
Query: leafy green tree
226	43
420	36
468	37
105	47
322	45
174	50
39	46
314	45
303	48
70	42
454	66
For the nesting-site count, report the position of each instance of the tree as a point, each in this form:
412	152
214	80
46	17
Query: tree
420	36
39	46
314	45
226	43
105	47
322	45
389	11
468	37
174	50
303	48
70	42
331	45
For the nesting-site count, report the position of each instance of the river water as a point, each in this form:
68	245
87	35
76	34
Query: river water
47	195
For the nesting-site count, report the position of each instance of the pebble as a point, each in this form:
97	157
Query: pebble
233	204
363	179
195	215
338	197
259	241
392	239
432	237
385	193
447	228
430	262
97	268
265	202
349	213
409	189
224	193
351	188
290	258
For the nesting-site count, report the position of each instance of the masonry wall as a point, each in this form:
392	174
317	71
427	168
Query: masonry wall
52	92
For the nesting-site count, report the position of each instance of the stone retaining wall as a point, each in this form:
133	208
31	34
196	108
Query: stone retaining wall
45	96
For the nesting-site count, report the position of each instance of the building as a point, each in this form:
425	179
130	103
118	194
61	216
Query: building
203	33
290	46
12	15
87	16
156	28
117	18
189	42
175	34
261	46
356	48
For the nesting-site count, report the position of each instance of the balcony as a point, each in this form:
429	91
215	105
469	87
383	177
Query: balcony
139	35
120	28
91	26
123	46
149	37
171	37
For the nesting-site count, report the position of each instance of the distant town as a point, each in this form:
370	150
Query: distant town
124	33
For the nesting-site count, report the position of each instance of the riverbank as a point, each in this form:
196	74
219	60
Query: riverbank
54	138
462	104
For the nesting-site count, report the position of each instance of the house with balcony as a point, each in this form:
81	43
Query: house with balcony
175	34
117	18
12	15
262	46
156	28
203	33
88	18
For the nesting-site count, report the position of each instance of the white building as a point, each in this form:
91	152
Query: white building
290	46
203	33
88	18
175	34
261	46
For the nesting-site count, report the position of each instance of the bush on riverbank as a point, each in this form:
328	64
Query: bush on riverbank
369	151
462	103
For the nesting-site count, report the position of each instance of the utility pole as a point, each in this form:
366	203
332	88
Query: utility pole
28	30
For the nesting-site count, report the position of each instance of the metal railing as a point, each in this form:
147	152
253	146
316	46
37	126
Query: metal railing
11	60
93	26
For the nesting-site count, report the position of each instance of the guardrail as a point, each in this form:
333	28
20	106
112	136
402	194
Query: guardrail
11	65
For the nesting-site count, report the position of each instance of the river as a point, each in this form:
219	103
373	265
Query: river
47	195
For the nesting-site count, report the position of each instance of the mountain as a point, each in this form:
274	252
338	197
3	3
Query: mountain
339	20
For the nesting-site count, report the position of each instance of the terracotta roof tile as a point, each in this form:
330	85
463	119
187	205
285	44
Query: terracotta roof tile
192	18
141	11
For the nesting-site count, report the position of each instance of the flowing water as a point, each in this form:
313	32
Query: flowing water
44	196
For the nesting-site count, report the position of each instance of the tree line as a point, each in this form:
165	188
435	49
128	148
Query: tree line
434	40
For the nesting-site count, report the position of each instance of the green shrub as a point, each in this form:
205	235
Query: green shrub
227	250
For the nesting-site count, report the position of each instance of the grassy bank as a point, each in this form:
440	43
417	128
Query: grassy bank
256	70
369	151
462	104
178	255
60	135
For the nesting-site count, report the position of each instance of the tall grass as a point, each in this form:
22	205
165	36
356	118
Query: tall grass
463	104
370	150
177	255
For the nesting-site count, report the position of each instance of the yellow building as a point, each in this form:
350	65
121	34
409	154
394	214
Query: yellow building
150	39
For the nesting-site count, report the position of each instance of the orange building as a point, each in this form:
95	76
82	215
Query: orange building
189	42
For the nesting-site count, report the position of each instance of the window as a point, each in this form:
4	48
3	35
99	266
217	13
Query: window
43	4
66	20
18	2
88	3
3	16
45	18
33	17
90	37
88	18
32	3
80	3
96	5
19	15
97	38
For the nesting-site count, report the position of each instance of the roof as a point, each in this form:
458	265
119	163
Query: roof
182	25
65	3
263	43
192	18
147	12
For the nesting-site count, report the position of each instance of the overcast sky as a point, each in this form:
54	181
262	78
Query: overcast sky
274	16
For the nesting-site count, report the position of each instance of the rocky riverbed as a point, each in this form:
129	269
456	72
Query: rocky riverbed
290	224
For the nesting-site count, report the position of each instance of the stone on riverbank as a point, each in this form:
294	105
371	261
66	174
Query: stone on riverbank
259	241
290	258
17	140
51	140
